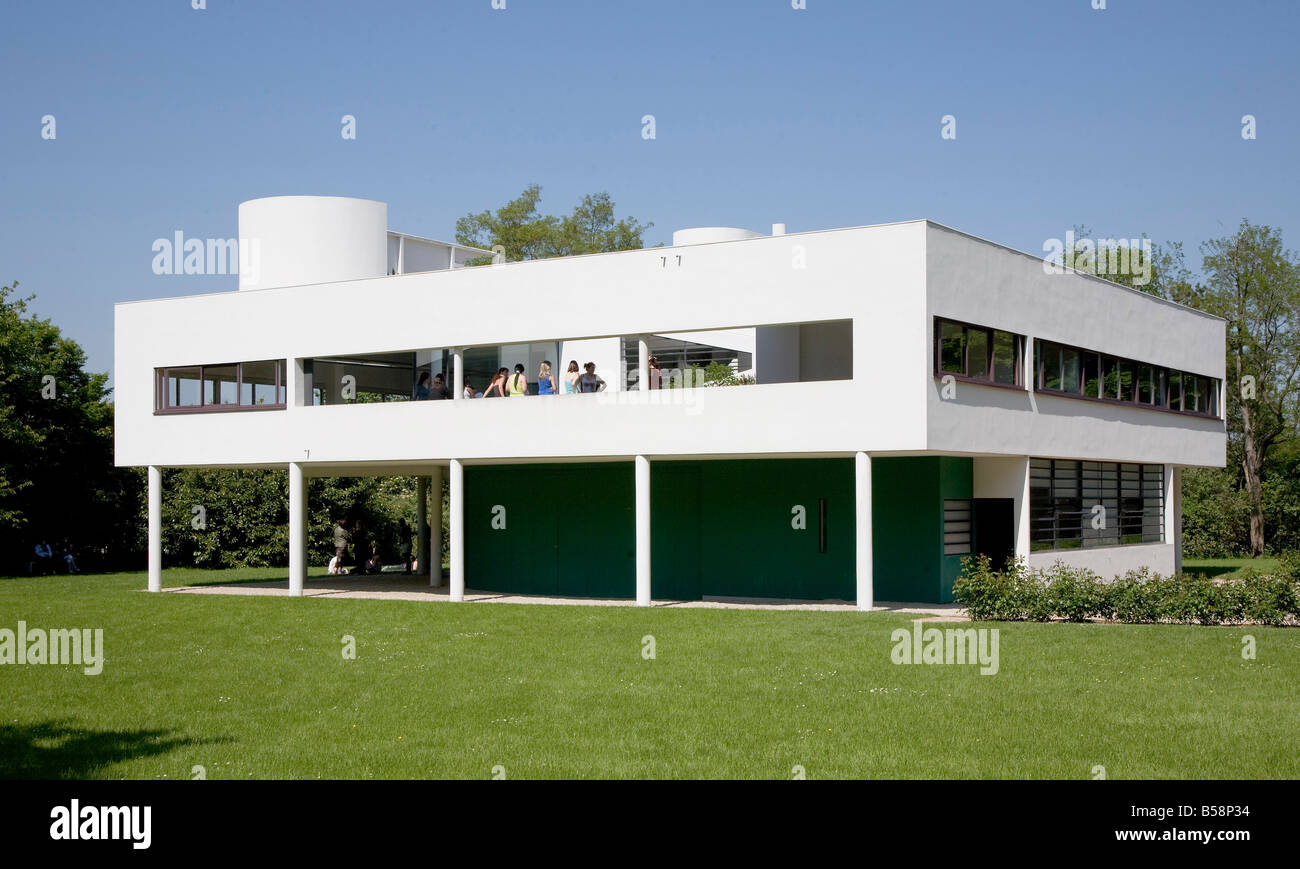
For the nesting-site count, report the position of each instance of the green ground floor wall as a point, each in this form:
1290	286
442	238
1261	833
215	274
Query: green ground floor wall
770	528
908	492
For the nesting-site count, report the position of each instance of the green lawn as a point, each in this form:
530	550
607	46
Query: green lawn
1229	567
257	687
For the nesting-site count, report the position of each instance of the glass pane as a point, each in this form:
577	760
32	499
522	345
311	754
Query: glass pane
1004	357
977	353
1176	390
951	347
1124	380
1070	370
1144	390
219	383
1202	394
182	387
258	383
1091	375
1051	364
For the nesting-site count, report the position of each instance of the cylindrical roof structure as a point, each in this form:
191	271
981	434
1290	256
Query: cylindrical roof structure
287	241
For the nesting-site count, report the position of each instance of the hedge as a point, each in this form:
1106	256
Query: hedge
1021	593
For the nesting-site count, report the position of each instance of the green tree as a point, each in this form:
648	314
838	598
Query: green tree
57	478
524	233
218	518
1162	273
1253	282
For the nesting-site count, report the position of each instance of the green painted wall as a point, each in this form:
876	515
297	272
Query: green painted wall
725	528
718	528
907	525
569	529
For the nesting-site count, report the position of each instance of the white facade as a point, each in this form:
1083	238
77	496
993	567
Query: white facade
322	296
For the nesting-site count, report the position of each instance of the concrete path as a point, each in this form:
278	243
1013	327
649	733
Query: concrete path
401	587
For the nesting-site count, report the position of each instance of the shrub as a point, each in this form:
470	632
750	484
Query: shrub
1190	598
1076	594
1270	599
1139	597
1016	594
1135	598
1289	565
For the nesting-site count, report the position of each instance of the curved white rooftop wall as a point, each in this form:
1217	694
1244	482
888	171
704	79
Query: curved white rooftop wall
708	234
288	241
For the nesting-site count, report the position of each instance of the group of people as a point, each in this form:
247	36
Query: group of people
504	383
47	560
372	563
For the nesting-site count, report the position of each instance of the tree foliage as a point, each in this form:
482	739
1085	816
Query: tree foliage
524	233
57	479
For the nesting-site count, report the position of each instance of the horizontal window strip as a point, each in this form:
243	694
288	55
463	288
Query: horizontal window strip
1065	496
1061	369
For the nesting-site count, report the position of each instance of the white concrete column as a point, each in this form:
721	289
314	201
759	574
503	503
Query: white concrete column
642	364
434	537
456	522
1023	514
401	254
458	374
155	528
862	478
421	522
1173	518
642	530
297	529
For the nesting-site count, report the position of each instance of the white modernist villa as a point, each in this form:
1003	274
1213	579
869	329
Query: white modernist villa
904	395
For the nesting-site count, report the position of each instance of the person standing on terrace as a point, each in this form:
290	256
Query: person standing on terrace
590	381
546	380
498	383
519	383
571	378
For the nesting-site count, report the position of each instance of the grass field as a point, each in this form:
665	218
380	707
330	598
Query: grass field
1229	567
251	687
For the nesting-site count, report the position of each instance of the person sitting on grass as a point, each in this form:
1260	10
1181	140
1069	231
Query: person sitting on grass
44	558
373	564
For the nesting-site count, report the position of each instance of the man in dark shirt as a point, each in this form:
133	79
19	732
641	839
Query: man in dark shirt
341	538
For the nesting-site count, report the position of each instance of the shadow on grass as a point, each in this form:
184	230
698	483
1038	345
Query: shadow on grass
1216	570
53	750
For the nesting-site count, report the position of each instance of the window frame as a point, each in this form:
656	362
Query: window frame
1110	483
162	408
990	354
1111	365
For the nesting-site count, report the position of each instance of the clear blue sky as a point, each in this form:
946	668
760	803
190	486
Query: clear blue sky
1127	120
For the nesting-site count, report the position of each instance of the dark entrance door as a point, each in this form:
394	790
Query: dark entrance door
995	530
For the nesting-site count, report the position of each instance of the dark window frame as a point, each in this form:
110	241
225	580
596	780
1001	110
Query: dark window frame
1125	486
1162	377
991	343
162	407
